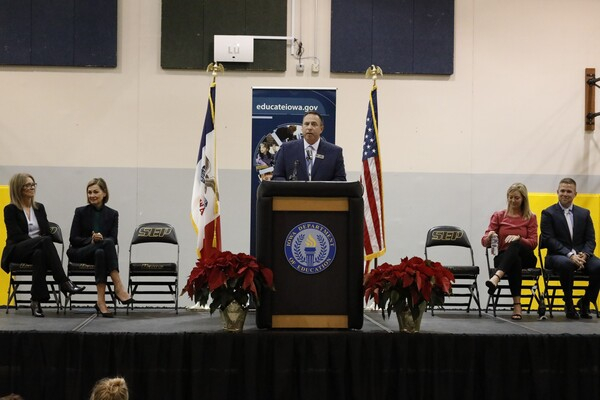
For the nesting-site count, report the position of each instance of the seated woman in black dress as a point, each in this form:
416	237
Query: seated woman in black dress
29	241
93	239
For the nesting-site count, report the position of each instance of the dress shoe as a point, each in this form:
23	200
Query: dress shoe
490	285
36	309
126	302
571	313
107	314
584	308
69	288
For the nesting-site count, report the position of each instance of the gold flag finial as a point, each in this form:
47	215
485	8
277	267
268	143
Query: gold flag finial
215	68
373	72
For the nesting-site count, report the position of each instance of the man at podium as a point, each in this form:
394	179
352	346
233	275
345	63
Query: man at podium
310	159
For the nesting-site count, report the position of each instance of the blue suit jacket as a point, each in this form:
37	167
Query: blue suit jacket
328	163
555	231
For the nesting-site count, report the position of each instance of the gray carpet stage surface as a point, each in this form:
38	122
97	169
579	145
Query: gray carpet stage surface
145	320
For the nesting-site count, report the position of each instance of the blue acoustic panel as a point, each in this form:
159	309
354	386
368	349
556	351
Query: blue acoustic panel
351	35
393	35
95	41
58	32
434	37
400	36
15	32
52	32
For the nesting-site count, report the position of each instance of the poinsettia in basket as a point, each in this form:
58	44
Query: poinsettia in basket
408	285
228	278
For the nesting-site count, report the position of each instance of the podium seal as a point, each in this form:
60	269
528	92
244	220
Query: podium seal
310	248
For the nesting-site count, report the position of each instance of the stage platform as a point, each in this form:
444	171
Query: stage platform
164	355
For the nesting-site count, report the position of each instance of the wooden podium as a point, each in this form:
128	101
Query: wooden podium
311	235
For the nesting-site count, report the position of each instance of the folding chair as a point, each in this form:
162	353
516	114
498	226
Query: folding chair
530	289
464	289
147	278
553	290
21	276
84	275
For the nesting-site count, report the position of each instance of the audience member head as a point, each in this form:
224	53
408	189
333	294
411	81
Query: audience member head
101	184
110	389
11	396
22	188
517	192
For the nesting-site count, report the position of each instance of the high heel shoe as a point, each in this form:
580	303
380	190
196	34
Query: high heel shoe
36	309
126	302
517	316
107	314
490	285
69	288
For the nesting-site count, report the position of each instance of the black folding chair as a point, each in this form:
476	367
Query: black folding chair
84	275
553	289
464	289
530	290
154	282
21	276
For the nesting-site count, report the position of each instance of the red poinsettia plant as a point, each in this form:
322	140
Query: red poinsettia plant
406	285
228	277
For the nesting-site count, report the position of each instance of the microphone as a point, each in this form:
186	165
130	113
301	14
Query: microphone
308	155
293	176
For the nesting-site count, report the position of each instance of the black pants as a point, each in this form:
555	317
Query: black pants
512	261
42	254
102	254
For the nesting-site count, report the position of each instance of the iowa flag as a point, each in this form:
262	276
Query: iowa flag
205	197
374	235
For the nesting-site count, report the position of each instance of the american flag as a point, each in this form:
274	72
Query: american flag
374	232
205	196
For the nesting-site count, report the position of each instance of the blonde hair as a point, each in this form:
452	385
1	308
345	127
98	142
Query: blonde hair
110	389
522	189
16	184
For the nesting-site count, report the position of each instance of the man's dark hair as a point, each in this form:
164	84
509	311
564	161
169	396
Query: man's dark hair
314	113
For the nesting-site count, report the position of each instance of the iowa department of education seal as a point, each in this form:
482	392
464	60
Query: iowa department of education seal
310	248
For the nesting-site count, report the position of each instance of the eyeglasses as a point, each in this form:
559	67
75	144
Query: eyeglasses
30	186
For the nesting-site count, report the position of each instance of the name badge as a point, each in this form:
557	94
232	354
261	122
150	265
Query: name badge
321	156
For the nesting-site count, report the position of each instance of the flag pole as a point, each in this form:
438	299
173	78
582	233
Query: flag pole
215	68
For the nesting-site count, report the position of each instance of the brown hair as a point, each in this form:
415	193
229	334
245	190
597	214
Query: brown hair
568	181
16	184
522	189
101	184
110	389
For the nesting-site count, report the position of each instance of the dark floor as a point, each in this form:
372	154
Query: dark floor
146	320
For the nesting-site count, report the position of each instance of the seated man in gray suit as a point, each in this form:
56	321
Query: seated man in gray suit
568	234
310	159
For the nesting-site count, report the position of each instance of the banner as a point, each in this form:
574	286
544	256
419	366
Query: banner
277	118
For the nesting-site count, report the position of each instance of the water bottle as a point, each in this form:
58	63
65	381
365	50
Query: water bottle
494	244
